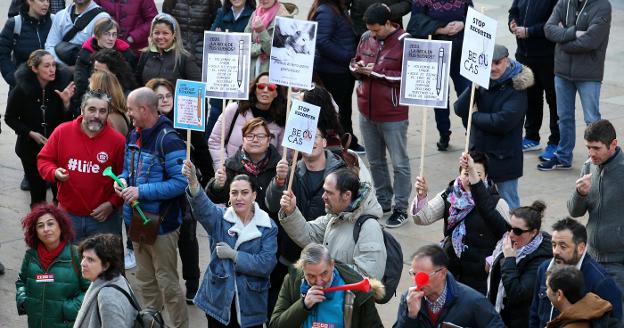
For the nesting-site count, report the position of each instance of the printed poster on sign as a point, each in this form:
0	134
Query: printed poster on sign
225	66
478	48
189	106
300	130
425	73
292	53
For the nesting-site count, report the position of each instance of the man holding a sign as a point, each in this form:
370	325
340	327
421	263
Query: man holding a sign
497	126
383	122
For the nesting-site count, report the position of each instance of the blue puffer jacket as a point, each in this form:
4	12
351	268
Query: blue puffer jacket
597	281
248	277
335	41
157	168
226	21
14	49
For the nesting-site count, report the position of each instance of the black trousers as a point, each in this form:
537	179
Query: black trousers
544	71
212	323
188	247
38	186
340	85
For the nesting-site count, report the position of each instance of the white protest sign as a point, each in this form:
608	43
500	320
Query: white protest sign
292	52
300	130
225	67
425	73
189	106
478	48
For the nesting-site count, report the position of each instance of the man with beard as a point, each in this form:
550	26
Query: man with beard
74	158
569	242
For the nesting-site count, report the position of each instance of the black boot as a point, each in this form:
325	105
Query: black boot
24	185
1	269
191	290
443	143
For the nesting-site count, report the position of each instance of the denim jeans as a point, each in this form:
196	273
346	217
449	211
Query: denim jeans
379	136
508	190
589	92
86	226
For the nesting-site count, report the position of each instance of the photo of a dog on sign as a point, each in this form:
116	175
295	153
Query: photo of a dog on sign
293	40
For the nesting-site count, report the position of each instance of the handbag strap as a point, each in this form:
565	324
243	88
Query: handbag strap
82	22
227	139
131	298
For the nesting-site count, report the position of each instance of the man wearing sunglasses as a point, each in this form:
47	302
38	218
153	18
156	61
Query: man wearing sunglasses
75	157
569	244
442	299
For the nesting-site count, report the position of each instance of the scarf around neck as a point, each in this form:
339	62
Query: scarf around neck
47	257
330	311
266	16
255	168
462	203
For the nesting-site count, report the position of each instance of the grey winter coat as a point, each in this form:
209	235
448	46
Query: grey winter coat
335	231
115	309
580	58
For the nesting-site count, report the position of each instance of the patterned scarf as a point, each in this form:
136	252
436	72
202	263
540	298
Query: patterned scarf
521	253
255	168
266	16
461	204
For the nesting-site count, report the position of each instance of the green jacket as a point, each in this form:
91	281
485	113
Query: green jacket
51	304
290	312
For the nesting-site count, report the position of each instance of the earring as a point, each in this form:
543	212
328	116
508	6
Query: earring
229	203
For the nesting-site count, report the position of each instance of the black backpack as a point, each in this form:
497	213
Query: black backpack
145	318
394	260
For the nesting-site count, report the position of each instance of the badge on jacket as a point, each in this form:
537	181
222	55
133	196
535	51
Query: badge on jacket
47	277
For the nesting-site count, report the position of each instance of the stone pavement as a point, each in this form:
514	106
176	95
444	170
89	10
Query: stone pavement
440	167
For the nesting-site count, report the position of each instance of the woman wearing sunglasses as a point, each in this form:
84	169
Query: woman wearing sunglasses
266	100
515	261
475	218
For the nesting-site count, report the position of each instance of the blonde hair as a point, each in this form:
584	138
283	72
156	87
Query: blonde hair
108	83
173	25
36	57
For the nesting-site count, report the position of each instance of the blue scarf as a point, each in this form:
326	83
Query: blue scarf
329	311
514	69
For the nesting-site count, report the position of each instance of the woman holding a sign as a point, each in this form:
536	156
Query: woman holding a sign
261	26
166	56
266	100
243	244
50	275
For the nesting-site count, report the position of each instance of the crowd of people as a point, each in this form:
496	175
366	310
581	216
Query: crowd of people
91	101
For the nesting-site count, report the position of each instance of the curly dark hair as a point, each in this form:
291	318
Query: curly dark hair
29	224
328	118
108	248
118	65
277	110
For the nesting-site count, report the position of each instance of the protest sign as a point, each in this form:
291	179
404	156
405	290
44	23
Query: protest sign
225	67
478	47
300	130
292	53
425	73
189	106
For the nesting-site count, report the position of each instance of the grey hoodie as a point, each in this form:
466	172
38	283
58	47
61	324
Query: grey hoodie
580	58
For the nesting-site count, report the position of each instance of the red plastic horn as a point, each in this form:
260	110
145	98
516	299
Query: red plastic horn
421	279
362	286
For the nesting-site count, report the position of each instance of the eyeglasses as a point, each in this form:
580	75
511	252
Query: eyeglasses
262	86
518	231
250	137
431	274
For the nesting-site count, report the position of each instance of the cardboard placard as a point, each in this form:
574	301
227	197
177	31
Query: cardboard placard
225	67
478	47
189	105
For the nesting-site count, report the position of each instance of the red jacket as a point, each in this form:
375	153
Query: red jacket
85	159
378	94
134	17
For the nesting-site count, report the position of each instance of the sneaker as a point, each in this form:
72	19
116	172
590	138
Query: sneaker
443	143
530	145
553	164
397	219
24	185
548	153
129	260
357	148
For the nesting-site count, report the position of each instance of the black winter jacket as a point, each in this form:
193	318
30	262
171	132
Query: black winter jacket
533	15
498	123
519	281
464	307
155	64
335	41
399	8
484	227
14	50
24	112
194	17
